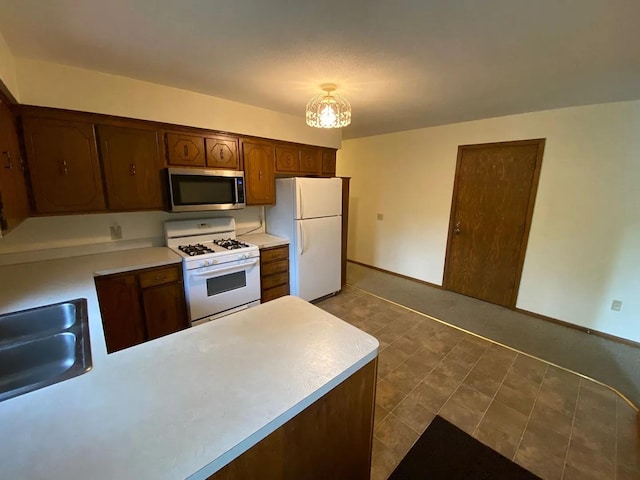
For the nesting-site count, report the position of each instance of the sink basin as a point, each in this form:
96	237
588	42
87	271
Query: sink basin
42	346
41	321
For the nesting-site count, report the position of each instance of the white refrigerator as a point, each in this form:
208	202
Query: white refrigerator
308	212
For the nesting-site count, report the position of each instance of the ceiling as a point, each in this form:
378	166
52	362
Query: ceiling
402	64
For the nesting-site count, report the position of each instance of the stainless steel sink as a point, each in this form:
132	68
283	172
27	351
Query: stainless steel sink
42	346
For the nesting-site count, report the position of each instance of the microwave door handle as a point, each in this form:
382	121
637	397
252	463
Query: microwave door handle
209	273
237	197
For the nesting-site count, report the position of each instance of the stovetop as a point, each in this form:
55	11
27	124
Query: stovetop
200	241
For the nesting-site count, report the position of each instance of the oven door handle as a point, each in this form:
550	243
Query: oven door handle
210	273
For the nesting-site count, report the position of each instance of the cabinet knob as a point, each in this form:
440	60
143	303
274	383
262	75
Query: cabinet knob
64	169
132	169
259	174
9	164
161	277
185	149
221	153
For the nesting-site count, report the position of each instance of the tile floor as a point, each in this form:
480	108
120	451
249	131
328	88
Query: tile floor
556	424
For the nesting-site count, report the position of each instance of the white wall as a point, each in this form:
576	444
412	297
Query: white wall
8	68
54	85
41	238
584	245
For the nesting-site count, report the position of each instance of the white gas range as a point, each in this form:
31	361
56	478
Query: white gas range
221	274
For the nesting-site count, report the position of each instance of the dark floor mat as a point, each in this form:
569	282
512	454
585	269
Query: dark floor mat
444	451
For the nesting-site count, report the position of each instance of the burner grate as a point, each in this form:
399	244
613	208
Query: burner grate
193	250
230	243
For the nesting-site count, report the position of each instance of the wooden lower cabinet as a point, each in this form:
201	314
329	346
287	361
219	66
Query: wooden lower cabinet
141	305
330	439
274	272
14	202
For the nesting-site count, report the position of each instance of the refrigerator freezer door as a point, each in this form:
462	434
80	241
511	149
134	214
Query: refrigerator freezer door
317	197
317	251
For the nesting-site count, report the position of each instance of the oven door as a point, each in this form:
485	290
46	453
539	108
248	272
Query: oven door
212	290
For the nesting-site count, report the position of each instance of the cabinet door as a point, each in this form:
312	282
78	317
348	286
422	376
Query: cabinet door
310	161
328	162
122	319
259	176
164	309
14	202
63	162
132	168
222	152
186	150
287	159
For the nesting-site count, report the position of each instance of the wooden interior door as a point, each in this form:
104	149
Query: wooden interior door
493	198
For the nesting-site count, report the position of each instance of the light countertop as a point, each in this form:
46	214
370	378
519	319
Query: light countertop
264	240
180	406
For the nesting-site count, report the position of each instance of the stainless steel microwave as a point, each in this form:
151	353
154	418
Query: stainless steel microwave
193	189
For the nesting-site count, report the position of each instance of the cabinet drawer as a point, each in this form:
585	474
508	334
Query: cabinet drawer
272	268
273	254
275	280
159	277
275	292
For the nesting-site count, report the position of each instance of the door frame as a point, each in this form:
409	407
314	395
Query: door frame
540	142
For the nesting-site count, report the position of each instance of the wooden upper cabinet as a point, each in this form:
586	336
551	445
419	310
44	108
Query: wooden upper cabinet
310	161
222	152
259	158
287	159
132	168
63	163
185	150
328	162
14	202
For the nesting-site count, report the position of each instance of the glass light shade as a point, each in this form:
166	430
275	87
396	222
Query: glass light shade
328	111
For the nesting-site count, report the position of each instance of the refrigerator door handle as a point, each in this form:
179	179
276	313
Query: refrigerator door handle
300	203
300	238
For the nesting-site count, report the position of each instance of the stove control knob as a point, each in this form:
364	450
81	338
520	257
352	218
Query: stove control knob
203	264
211	262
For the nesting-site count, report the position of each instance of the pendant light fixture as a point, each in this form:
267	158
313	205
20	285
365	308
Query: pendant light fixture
328	110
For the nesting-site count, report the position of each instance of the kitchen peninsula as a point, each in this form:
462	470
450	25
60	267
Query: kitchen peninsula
187	404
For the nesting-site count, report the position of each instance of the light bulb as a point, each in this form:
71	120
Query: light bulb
328	117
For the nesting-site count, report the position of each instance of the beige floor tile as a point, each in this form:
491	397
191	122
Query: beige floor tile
404	378
559	421
590	462
479	380
501	428
387	396
424	360
388	360
395	435
529	368
498	440
413	414
380	414
463	418
471	399
383	461
407	345
518	392
542	454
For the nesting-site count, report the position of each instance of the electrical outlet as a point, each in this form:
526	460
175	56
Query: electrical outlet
616	305
380	216
116	232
